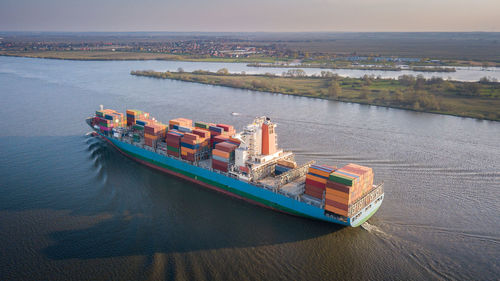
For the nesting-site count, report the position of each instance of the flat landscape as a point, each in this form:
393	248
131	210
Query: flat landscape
430	48
468	99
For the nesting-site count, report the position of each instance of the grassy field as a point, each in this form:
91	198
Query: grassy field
469	99
120	55
257	59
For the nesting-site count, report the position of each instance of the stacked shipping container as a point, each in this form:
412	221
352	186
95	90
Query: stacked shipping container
218	139
181	124
154	132
193	145
222	155
316	180
107	119
345	186
173	140
228	130
133	115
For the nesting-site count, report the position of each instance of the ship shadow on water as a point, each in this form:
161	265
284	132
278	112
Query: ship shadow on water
152	212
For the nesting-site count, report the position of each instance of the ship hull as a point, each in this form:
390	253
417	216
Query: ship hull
231	186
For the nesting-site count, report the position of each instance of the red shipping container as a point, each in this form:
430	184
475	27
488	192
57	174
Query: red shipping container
225	146
314	188
189	136
220	138
336	204
315	183
226	127
174	143
214	134
220	168
176	154
219	163
201	133
244	169
338	186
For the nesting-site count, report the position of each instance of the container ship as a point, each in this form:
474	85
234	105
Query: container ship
248	165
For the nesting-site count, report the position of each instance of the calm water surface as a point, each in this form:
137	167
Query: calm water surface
73	208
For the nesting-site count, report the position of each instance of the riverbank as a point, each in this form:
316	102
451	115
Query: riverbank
329	66
121	55
255	60
466	99
357	67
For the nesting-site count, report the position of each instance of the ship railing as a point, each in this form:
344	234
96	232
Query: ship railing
366	200
294	174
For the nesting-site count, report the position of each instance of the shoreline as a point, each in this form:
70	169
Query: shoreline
446	69
429	102
126	56
251	61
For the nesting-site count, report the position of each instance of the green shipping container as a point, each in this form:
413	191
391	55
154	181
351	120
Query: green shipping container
341	179
201	125
174	149
138	127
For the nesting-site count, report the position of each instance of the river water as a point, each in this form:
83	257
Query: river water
461	74
73	208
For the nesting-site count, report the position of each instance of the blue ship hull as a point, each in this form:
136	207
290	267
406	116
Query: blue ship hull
237	188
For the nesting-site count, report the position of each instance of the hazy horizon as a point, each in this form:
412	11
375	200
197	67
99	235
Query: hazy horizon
255	16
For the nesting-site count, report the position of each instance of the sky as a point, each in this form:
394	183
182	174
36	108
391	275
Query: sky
250	16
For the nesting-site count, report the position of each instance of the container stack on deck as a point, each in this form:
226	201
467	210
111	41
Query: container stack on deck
228	130
181	124
215	131
191	145
345	186
316	180
154	132
133	115
174	143
218	139
107	119
222	155
140	123
202	125
202	133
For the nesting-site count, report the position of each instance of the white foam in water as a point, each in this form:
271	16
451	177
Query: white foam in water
374	229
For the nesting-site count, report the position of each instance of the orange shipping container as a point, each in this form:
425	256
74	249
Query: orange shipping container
153	137
314	178
319	172
345	201
337	193
336	210
221	153
186	149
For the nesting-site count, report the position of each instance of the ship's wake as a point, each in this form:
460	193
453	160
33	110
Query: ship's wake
435	265
96	149
375	230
